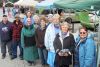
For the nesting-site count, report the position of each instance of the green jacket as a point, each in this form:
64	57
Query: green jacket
30	53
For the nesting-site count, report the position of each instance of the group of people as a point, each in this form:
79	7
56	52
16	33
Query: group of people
49	39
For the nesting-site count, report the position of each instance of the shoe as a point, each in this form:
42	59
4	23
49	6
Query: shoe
46	65
3	56
13	57
34	63
43	65
21	58
29	64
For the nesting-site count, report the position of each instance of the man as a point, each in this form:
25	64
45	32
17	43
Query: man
50	34
6	36
16	33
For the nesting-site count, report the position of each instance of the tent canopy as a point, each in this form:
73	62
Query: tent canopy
77	4
45	4
29	3
18	2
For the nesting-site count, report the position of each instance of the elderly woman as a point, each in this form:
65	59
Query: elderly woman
28	15
85	51
30	53
36	21
50	34
64	46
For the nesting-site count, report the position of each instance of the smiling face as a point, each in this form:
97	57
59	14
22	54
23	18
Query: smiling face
64	28
43	23
56	19
5	19
29	14
83	33
28	21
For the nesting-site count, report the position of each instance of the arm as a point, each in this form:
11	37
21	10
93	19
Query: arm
36	37
55	46
72	46
46	39
22	39
90	53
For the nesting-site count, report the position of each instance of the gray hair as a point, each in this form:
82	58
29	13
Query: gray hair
65	23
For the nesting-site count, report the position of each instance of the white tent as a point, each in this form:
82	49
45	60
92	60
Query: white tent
46	4
29	3
18	2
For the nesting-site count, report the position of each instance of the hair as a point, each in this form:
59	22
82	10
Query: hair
43	18
27	12
36	16
65	23
56	15
4	15
68	19
83	28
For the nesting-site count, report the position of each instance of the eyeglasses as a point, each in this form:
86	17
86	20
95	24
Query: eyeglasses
82	32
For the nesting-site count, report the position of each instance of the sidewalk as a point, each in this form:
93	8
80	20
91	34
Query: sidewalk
15	63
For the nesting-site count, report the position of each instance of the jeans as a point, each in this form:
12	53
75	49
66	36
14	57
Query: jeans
3	47
43	55
14	48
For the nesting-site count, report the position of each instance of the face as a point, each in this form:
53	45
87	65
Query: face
55	20
83	33
64	28
43	23
50	19
28	21
5	19
29	14
17	18
36	19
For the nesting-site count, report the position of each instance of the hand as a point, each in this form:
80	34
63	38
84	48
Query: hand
48	49
60	54
65	54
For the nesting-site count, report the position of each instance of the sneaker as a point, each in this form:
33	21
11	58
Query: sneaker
43	65
29	64
3	56
13	57
21	58
46	65
34	63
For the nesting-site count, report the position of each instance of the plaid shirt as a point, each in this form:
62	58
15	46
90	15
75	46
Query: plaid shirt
16	30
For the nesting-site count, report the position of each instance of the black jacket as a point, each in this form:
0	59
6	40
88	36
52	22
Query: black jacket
68	43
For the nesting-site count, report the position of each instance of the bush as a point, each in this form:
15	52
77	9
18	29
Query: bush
0	4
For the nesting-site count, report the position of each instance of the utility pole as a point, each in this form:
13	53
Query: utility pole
3	6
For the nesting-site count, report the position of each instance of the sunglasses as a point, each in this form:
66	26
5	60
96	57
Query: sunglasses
82	32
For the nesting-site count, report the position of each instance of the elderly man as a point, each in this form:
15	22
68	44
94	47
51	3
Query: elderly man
6	36
50	34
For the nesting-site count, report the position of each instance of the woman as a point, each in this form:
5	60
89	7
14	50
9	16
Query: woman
50	34
64	46
36	21
30	53
85	51
28	15
16	33
40	33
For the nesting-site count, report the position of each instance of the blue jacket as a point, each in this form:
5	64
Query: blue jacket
86	53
